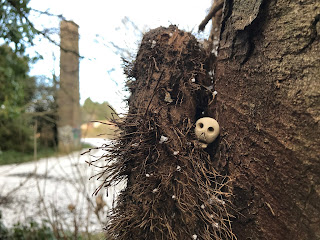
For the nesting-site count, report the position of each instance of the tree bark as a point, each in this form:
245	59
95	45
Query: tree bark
267	78
173	190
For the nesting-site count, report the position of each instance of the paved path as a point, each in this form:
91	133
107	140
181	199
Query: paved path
50	189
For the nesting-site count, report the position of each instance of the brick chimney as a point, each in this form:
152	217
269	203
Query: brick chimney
68	95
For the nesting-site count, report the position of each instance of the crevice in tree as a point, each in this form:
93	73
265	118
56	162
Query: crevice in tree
314	34
250	46
228	5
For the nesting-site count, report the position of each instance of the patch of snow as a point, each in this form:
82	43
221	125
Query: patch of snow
46	189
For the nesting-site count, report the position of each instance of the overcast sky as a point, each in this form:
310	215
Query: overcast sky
101	23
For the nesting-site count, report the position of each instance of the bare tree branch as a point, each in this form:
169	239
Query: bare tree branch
215	8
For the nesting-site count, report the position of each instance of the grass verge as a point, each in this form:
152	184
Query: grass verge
14	157
34	231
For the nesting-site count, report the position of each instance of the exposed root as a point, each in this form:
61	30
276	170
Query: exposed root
173	188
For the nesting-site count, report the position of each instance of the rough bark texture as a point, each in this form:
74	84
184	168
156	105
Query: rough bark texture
173	189
268	83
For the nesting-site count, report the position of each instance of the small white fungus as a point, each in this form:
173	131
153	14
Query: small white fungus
202	206
193	80
174	197
147	175
155	190
194	236
215	93
178	168
153	44
216	199
170	34
163	139
215	52
175	153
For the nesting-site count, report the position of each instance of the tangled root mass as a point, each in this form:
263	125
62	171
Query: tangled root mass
173	188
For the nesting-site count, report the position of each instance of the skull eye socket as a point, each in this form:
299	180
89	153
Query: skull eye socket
200	125
210	129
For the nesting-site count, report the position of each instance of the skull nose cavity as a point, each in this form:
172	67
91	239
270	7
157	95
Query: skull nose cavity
202	137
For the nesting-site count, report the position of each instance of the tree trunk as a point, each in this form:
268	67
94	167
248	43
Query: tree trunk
173	189
267	78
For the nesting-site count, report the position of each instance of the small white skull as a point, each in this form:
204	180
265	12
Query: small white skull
207	130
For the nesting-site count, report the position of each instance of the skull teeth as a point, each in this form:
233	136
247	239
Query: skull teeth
202	141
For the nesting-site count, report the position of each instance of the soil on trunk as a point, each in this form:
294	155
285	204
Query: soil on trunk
174	190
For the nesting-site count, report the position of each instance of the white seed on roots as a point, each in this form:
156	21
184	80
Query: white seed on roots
163	139
153	44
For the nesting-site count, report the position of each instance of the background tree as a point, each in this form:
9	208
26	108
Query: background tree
267	78
43	109
15	26
91	111
17	90
23	99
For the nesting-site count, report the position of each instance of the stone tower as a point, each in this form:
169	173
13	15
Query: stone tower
68	95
